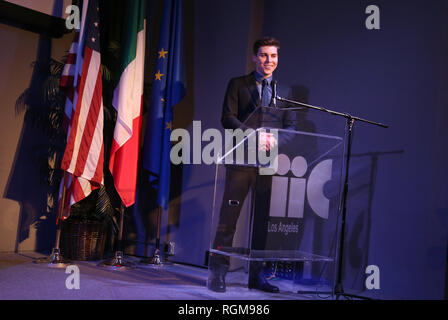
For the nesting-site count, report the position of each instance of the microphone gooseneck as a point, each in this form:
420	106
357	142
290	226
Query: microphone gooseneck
274	93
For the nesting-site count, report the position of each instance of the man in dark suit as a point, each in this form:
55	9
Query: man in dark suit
243	96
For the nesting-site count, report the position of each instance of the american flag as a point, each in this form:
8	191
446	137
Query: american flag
67	83
84	154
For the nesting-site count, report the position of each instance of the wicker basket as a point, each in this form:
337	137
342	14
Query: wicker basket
83	240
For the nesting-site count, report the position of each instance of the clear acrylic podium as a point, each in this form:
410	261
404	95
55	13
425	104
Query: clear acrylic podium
280	209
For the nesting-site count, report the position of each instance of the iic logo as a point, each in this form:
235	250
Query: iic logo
288	193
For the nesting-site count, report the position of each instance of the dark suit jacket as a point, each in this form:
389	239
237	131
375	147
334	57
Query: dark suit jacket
242	99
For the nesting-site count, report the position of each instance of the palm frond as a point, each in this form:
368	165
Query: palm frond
21	102
56	67
50	88
106	73
104	207
114	48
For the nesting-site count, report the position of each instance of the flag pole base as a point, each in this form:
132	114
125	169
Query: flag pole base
55	260
155	261
117	263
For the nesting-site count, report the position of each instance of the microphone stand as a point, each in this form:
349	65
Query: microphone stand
338	289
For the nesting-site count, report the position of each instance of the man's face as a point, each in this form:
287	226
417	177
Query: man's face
266	60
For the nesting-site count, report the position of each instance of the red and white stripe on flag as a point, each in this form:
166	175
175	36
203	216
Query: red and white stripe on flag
84	153
67	83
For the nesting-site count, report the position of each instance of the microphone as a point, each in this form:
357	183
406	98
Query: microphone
274	92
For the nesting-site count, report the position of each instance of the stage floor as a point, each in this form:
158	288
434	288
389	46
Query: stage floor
22	279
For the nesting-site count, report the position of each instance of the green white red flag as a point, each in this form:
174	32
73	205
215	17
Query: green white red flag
127	100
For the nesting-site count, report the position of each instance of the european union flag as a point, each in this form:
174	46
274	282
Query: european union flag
168	89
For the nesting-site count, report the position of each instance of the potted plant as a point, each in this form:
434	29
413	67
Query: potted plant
85	232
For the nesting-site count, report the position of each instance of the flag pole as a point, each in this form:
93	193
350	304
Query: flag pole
56	260
155	260
118	262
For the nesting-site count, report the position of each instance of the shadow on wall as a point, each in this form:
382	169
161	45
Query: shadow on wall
360	197
34	178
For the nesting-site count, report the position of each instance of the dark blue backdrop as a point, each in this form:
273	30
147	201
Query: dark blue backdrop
396	75
398	204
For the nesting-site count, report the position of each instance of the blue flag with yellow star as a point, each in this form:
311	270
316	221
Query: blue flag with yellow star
168	89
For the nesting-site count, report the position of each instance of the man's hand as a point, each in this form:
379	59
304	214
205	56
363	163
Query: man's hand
266	140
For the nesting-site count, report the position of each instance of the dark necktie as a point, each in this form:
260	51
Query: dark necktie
266	94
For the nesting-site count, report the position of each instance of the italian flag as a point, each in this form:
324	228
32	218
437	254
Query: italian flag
127	100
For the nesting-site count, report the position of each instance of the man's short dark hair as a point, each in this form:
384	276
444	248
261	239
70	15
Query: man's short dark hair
266	41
